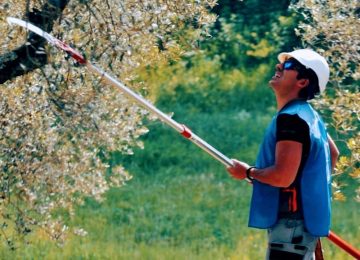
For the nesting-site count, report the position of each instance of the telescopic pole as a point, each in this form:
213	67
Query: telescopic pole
182	129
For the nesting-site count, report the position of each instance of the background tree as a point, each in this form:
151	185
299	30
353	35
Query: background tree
331	27
250	33
58	123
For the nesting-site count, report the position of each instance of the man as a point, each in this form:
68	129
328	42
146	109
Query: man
291	177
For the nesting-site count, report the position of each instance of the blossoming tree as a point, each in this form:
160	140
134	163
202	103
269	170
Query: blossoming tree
58	122
331	27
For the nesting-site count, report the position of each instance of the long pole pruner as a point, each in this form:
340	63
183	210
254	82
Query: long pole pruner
180	128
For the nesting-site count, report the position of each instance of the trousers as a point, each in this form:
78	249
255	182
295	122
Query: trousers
288	239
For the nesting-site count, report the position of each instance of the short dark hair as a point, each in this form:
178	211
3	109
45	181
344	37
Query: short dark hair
312	89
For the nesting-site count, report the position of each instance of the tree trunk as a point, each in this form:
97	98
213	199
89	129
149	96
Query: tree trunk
31	55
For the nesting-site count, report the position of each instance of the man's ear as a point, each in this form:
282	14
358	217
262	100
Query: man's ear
302	83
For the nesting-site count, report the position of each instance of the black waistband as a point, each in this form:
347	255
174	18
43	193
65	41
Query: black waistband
291	215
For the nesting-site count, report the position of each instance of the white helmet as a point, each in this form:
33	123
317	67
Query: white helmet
310	59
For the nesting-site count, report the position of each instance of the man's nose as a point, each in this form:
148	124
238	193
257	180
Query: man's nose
279	67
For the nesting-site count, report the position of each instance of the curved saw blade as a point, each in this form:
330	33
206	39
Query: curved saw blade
51	39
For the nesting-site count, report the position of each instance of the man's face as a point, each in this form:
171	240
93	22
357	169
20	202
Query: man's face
285	79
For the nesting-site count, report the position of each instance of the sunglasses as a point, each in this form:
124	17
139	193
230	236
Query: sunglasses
293	65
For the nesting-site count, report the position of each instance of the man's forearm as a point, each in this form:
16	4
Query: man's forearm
270	175
334	151
283	172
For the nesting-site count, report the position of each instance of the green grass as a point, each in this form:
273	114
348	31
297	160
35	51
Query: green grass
197	216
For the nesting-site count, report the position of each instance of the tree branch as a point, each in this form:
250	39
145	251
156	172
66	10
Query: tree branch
31	55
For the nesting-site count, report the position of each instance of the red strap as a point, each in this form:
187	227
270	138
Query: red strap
293	207
318	251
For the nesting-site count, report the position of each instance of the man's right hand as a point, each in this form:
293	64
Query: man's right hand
238	170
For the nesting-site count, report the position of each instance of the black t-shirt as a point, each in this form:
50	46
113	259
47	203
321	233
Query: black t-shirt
293	128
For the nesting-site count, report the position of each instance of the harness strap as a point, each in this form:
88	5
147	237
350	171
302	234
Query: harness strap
293	205
318	251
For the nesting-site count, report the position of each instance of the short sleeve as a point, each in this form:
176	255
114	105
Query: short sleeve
291	128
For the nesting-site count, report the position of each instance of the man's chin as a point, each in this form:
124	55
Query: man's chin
271	83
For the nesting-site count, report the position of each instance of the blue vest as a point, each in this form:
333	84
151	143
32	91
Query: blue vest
315	181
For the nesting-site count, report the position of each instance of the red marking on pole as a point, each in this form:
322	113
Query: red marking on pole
344	245
78	57
186	132
73	53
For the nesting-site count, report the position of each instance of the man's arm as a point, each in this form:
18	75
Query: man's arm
334	152
287	162
284	170
292	142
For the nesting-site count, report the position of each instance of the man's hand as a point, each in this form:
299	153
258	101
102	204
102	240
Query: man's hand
238	171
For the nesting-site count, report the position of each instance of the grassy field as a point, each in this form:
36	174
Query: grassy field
181	204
